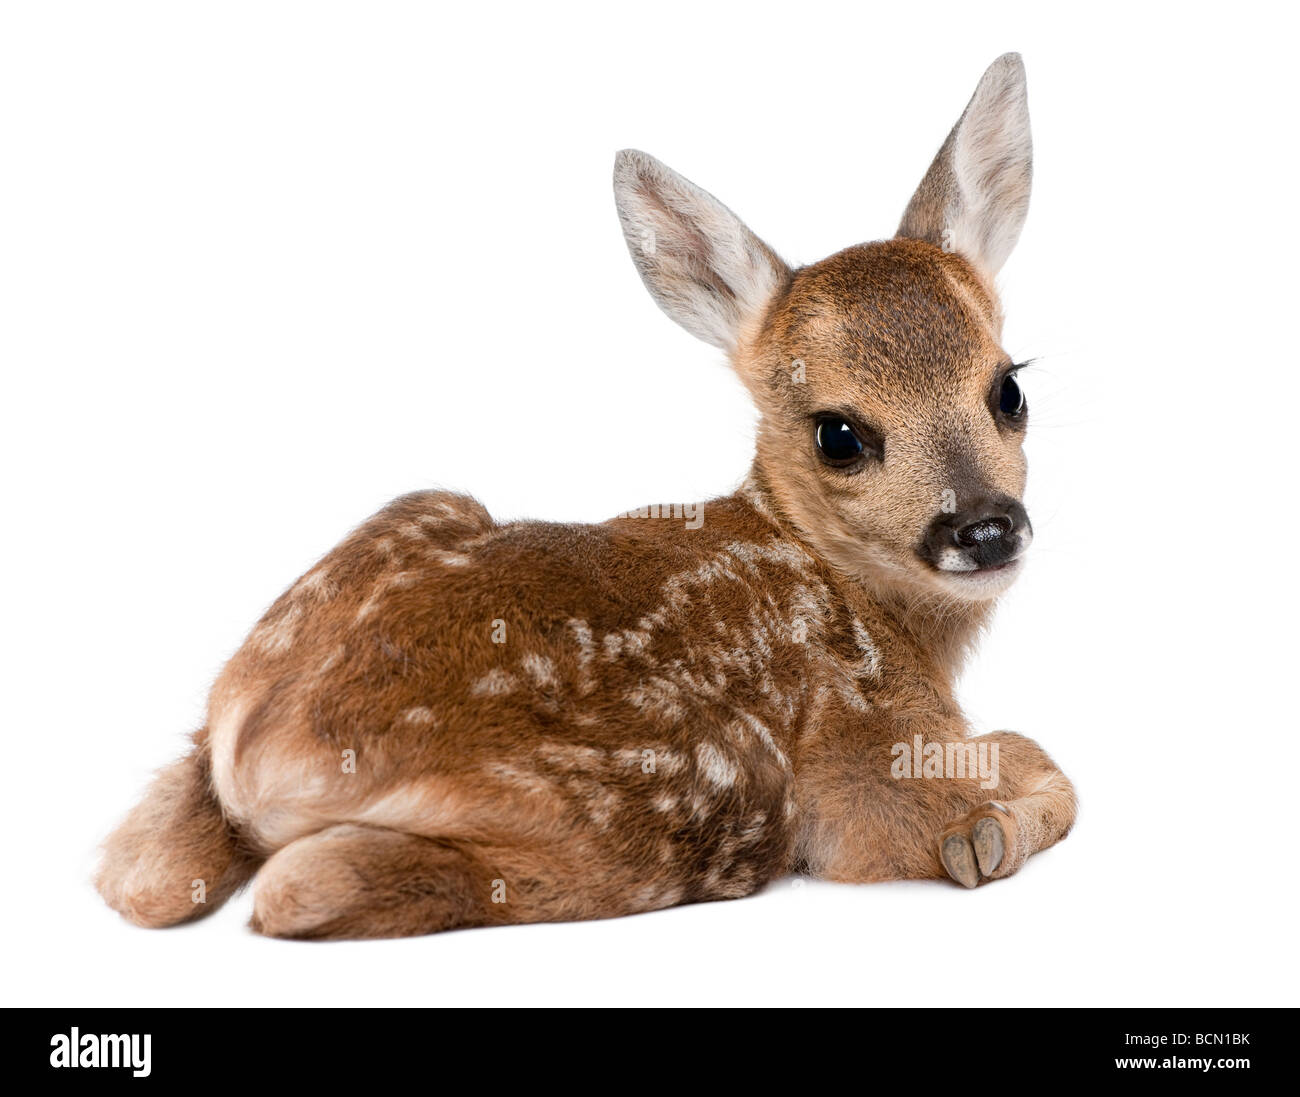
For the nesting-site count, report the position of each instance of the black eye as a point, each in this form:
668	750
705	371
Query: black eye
837	441
1011	400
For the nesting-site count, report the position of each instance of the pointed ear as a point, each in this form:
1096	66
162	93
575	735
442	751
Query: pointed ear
974	198
698	260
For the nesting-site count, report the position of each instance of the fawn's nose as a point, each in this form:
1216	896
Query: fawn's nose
985	534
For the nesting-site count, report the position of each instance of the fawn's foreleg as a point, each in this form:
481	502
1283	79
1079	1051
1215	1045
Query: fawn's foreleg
866	822
1034	809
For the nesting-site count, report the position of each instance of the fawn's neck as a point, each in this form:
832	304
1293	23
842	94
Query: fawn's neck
943	628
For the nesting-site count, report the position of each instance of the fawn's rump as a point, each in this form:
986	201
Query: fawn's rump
502	693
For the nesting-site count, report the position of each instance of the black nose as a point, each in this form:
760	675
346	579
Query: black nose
984	534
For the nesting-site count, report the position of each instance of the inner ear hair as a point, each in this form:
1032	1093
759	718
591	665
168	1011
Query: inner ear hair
974	198
699	261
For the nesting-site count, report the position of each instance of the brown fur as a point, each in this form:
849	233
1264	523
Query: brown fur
175	837
450	722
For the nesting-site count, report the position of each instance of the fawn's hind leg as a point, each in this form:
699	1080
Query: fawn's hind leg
362	881
996	837
174	858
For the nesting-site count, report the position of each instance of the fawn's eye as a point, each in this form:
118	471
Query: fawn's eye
837	441
1011	398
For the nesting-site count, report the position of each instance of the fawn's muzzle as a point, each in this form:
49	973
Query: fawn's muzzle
989	534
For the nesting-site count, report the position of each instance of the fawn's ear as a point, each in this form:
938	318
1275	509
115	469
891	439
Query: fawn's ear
974	198
698	260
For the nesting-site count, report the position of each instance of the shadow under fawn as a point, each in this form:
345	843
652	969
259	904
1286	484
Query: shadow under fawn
451	722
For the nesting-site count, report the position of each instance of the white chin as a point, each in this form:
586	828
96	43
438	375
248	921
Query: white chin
979	586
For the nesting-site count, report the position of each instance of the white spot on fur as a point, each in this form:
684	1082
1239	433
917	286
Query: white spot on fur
418	715
657	897
525	779
636	640
748	723
368	607
869	666
540	669
276	637
586	655
495	683
773	552
572	755
331	661
717	768
658	697
316	584
602	807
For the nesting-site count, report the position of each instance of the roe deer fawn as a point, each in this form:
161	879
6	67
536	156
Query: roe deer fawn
680	710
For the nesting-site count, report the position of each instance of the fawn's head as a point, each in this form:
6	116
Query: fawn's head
891	420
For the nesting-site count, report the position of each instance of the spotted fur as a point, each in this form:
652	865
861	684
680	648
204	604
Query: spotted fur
452	722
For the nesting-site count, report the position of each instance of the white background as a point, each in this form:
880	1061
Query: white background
265	265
